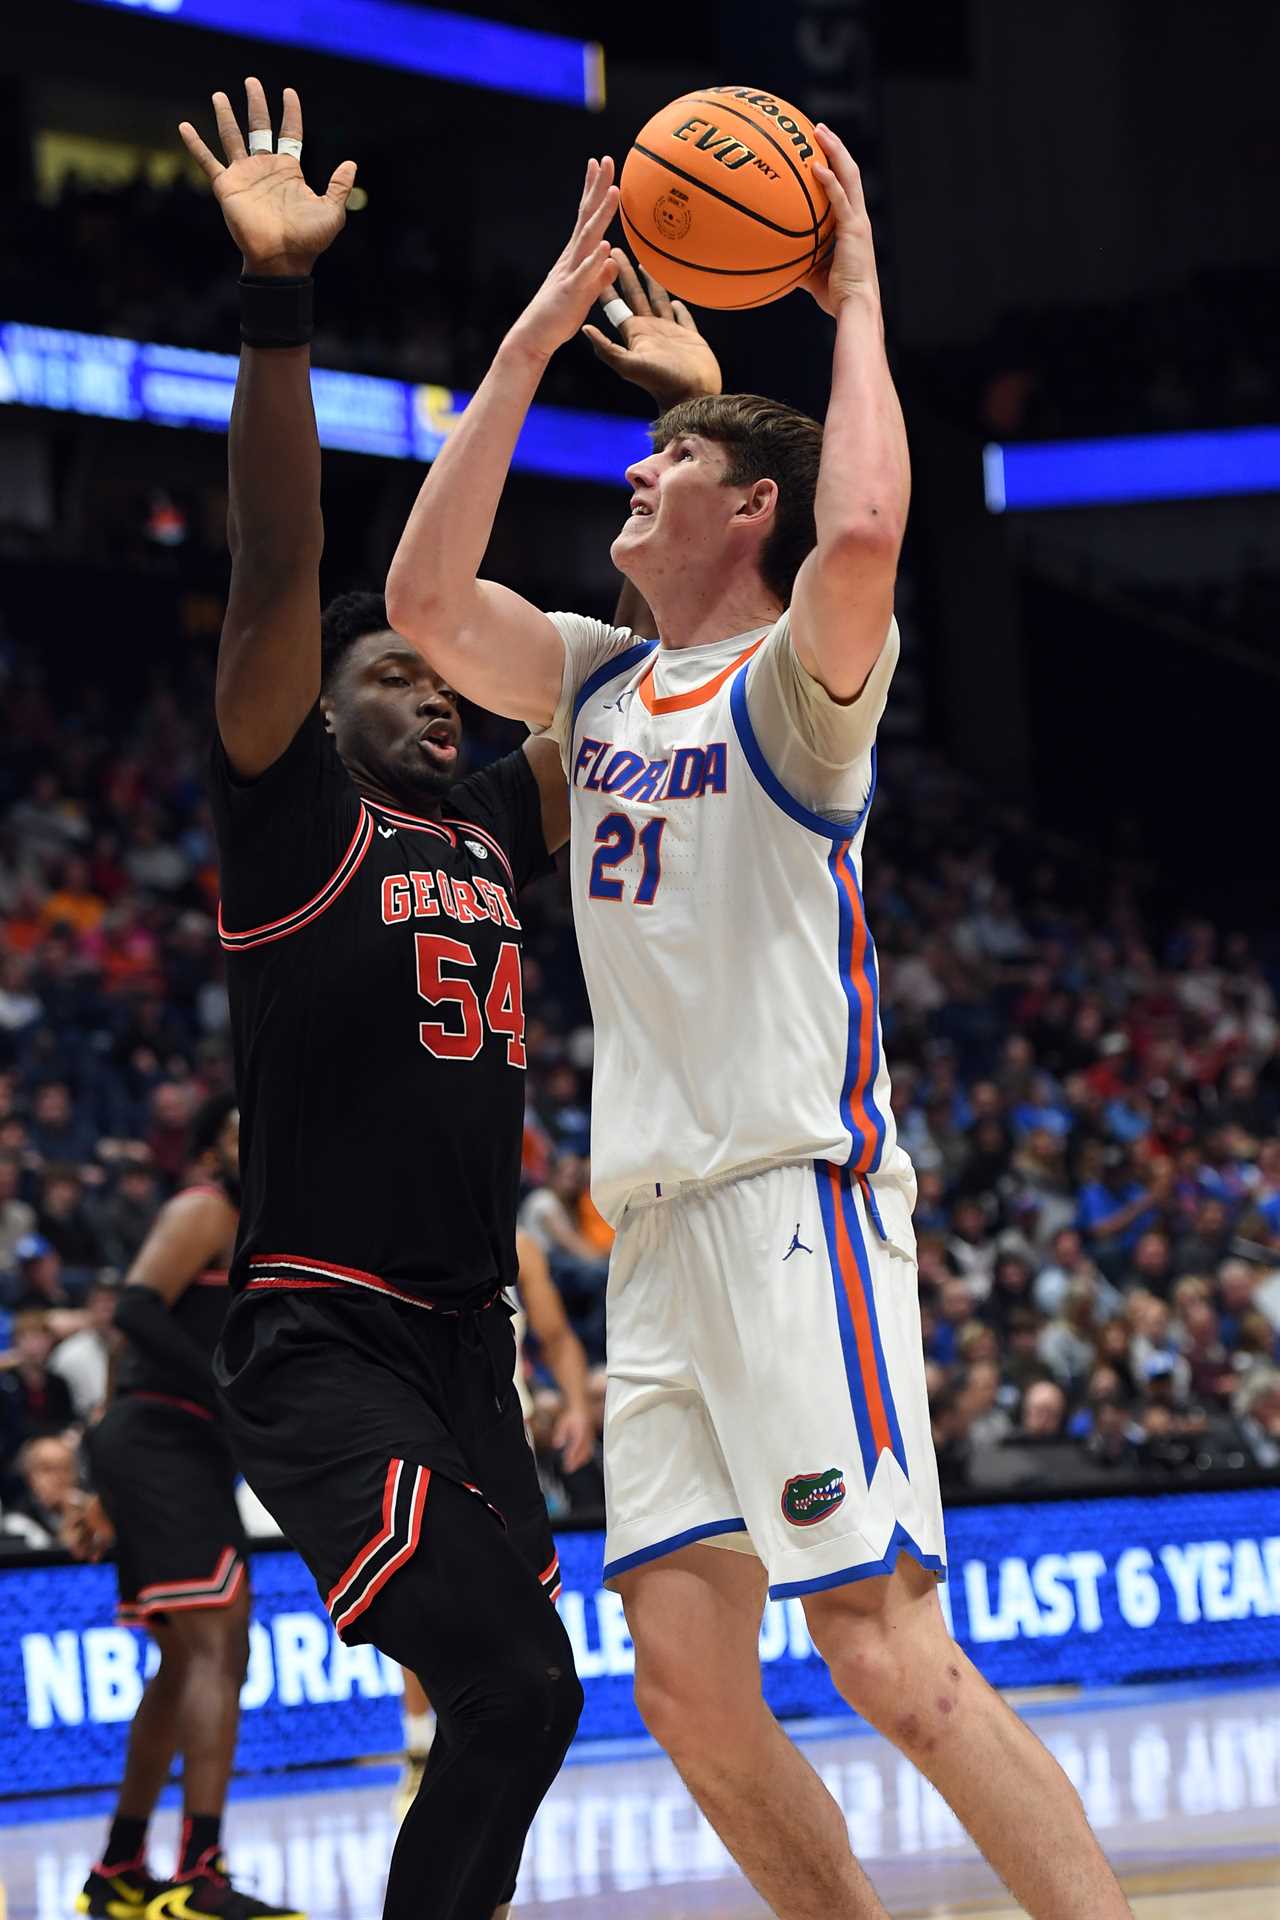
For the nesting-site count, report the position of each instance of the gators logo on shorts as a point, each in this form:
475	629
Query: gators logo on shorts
810	1497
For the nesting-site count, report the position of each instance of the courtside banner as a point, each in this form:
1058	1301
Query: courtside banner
1065	1592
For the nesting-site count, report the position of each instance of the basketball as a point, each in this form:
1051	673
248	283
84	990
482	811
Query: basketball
719	201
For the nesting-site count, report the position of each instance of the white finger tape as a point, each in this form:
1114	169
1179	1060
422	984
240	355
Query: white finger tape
261	141
616	311
287	144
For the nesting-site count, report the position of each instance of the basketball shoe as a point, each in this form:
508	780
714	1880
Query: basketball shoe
206	1893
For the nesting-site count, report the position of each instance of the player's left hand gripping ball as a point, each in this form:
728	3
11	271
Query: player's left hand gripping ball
850	267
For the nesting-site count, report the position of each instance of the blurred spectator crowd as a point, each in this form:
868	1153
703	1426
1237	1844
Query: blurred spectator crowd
152	262
1089	1089
1197	355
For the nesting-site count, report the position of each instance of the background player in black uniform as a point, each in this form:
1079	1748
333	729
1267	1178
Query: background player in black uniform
371	917
165	1484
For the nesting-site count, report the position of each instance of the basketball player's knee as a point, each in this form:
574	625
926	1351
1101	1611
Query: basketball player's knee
215	1645
669	1701
533	1707
234	1649
862	1658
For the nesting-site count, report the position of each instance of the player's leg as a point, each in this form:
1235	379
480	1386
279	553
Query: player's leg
153	1733
167	1489
419	1718
419	1722
409	1559
215	1649
891	1656
472	1622
694	1617
121	1874
841	1474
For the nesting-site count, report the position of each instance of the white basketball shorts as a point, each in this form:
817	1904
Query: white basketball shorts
766	1380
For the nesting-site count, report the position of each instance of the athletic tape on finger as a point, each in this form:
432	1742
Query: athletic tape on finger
616	311
261	141
287	144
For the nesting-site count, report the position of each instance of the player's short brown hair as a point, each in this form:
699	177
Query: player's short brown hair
765	441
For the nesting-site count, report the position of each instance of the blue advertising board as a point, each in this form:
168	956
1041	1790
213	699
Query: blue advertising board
1084	1591
88	373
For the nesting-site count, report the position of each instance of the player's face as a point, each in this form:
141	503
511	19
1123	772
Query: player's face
681	511
396	723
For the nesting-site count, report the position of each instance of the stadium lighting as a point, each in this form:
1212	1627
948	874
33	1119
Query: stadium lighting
448	46
1125	471
111	379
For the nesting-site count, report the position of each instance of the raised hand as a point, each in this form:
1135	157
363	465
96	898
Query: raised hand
86	1531
661	349
581	275
850	266
278	223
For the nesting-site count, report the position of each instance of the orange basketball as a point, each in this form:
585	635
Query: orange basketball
719	201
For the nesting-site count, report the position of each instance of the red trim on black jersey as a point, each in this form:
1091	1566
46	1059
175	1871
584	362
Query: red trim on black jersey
171	1400
549	1579
400	818
404	1496
337	883
180	1596
297	1272
480	834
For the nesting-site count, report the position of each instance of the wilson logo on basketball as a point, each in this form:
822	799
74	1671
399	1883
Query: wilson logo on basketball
773	110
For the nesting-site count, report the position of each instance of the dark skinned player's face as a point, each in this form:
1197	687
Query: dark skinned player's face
395	722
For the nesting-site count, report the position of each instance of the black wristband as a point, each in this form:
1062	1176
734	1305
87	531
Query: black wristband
275	312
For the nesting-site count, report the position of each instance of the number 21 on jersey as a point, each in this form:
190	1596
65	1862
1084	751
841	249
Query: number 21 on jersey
616	841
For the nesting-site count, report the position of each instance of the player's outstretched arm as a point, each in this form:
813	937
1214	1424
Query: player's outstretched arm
843	599
189	1235
492	645
660	350
269	657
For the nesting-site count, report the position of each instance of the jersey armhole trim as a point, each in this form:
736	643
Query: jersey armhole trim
616	665
764	773
302	916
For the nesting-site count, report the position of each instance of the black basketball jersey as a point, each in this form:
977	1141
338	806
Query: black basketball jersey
377	1017
199	1310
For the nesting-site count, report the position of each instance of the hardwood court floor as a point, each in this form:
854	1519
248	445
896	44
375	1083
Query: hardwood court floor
1182	1787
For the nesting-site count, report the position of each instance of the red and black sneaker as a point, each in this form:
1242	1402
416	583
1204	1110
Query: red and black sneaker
206	1893
118	1893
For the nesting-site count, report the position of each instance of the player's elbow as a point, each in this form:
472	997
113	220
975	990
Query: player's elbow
415	608
867	538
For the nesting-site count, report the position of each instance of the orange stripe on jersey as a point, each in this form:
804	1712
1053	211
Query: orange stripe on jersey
862	988
698	696
851	1280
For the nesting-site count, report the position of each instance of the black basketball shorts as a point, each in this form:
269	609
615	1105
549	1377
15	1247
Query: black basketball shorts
164	1473
340	1406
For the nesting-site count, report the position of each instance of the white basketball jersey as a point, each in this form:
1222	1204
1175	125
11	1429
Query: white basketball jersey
732	975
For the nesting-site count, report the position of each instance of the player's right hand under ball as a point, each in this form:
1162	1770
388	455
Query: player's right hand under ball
661	349
280	226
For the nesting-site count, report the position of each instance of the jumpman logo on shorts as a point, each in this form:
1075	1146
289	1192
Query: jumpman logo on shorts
797	1245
